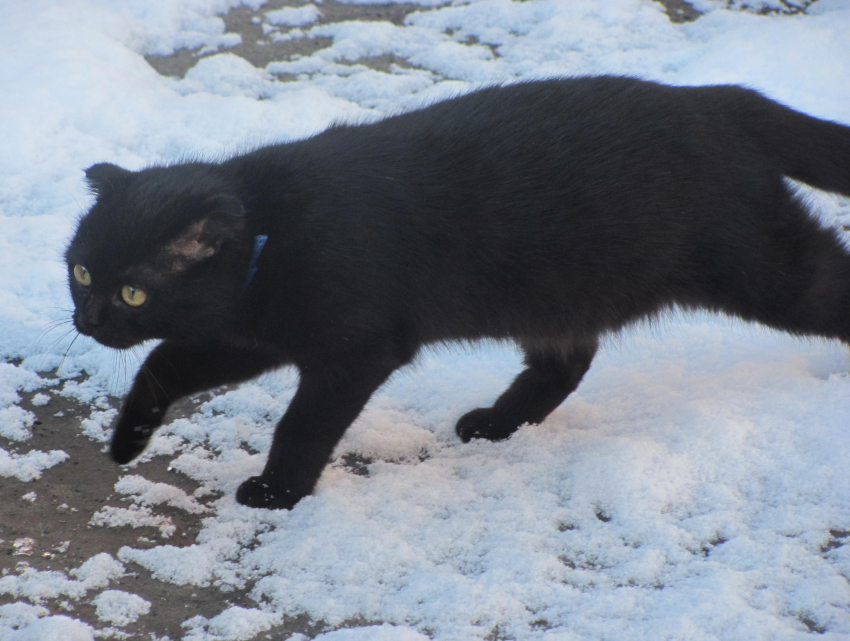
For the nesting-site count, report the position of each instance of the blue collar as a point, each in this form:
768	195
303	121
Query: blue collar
259	243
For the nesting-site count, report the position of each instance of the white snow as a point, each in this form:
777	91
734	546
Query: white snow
40	400
134	516
687	490
233	623
38	586
22	622
145	492
294	16
15	422
96	426
119	607
29	466
383	632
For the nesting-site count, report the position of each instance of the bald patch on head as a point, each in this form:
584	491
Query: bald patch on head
197	243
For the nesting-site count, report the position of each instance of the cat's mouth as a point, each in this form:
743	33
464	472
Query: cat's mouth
108	340
116	343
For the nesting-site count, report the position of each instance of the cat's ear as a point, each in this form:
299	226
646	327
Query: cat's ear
204	238
104	176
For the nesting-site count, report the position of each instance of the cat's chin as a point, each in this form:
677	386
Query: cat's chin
117	342
106	339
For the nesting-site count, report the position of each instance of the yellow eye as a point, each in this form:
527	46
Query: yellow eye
82	275
132	296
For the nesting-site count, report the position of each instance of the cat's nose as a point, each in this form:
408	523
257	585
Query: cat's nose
92	316
82	325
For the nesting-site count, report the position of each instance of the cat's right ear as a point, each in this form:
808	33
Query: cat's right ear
105	176
205	237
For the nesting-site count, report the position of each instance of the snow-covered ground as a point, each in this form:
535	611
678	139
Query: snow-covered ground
696	486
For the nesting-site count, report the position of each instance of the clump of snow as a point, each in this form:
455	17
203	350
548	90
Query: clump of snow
294	16
40	400
37	586
14	378
134	516
29	466
383	632
160	27
98	571
119	607
15	423
234	624
145	492
754	6
30	496
96	426
22	622
192	564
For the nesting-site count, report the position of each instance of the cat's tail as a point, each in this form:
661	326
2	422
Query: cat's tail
810	150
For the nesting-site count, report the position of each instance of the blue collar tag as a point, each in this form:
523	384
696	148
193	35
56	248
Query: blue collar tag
259	243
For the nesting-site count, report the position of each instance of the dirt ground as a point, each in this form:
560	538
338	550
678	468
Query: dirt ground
71	492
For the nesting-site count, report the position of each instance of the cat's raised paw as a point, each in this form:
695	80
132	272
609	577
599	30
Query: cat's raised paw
486	423
259	491
127	446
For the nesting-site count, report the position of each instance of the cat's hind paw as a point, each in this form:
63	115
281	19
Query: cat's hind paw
259	491
486	423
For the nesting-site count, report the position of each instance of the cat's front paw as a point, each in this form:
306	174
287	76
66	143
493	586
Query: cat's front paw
129	442
484	422
261	491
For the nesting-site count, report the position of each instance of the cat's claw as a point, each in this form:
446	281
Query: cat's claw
260	491
485	423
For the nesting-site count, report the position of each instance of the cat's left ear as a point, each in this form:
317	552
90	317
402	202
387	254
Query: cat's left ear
104	176
204	238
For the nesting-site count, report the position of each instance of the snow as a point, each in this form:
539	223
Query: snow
40	400
22	622
233	623
38	586
119	607
15	422
294	16
383	632
687	490
29	466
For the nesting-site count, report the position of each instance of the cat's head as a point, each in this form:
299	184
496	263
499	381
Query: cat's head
160	254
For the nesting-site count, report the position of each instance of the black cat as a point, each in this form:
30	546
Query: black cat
548	213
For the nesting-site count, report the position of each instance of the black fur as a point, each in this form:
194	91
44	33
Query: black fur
548	213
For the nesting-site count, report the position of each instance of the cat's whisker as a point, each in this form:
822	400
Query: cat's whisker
116	362
125	356
149	376
135	354
50	325
55	307
47	330
122	368
122	359
62	338
68	349
53	343
174	369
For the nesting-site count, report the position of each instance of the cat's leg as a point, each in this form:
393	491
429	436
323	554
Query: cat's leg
330	395
170	372
796	276
550	377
